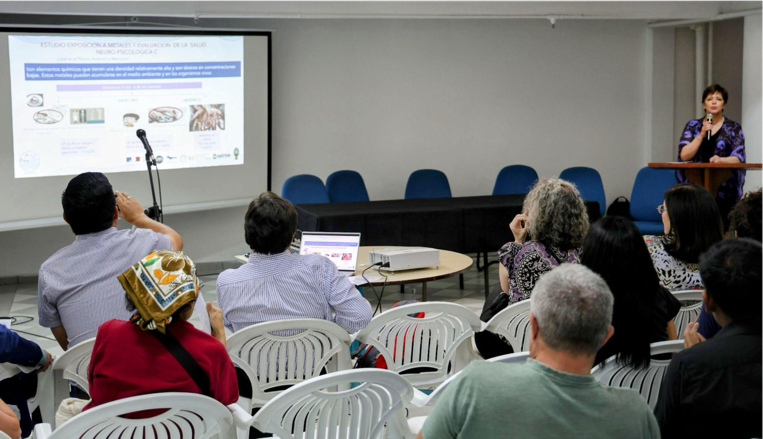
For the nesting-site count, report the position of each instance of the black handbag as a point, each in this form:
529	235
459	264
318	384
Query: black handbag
488	344
500	303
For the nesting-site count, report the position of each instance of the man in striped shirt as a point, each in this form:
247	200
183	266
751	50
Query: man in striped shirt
78	288
276	284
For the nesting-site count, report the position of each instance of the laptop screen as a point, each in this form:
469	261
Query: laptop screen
340	248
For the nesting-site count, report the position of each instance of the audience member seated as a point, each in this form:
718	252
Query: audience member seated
644	310
9	423
713	389
744	222
276	284
555	218
77	286
548	233
17	389
553	394
148	353
692	224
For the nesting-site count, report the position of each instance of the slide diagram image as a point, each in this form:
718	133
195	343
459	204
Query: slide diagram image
35	100
48	117
77	101
207	117
164	115
130	119
87	115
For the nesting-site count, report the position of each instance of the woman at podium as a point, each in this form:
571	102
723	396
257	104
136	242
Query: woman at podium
715	139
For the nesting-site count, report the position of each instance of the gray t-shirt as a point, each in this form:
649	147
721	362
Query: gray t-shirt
493	400
78	286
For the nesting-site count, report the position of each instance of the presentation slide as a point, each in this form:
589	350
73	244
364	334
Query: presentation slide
77	102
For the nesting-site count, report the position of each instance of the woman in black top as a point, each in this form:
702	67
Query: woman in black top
644	310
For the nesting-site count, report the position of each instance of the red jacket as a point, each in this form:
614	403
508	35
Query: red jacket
128	361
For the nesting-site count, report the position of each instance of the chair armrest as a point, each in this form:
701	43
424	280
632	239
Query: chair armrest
42	431
241	419
419	399
475	352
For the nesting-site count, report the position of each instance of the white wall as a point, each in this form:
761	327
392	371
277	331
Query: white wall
660	72
467	97
684	97
751	97
387	97
728	36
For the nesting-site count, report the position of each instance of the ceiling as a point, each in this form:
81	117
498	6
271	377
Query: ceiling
652	11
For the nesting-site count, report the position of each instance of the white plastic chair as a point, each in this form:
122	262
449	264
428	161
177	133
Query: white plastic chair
686	314
514	324
647	381
42	397
421	399
72	365
272	361
372	410
436	342
189	416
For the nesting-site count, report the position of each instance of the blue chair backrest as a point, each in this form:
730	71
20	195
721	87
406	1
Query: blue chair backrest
648	190
346	186
304	189
515	179
427	183
588	182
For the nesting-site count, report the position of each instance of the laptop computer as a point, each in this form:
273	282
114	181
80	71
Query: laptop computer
340	248
296	243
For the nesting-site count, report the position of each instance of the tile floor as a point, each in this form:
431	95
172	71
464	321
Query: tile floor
20	300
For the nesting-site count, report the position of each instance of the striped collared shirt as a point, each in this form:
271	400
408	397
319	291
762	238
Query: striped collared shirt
78	286
289	286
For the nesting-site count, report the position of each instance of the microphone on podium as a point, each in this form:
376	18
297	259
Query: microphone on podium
709	119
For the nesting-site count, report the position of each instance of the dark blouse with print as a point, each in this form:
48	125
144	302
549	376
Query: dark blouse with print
727	142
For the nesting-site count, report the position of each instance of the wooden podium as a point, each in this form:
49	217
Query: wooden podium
709	175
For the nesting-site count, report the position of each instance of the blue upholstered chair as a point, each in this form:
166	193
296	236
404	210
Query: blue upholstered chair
515	179
648	190
304	189
346	186
588	182
427	183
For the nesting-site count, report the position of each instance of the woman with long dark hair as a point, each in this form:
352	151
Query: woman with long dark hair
644	309
692	224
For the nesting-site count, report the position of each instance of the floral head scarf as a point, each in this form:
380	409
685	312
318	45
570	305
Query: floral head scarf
158	285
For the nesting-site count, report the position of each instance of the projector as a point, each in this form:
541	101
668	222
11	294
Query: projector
405	258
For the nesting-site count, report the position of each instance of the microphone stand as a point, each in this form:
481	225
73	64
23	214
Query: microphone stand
153	212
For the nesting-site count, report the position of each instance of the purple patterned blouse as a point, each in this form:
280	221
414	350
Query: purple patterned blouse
527	261
730	142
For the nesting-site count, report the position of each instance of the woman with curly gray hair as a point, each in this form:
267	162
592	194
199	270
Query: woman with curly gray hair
555	218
